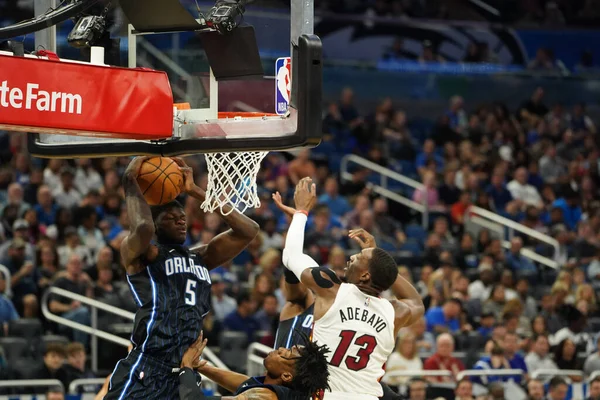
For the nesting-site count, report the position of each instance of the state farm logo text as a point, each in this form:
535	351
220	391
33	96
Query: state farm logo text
34	99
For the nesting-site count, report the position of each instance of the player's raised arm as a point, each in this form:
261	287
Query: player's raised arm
295	292
225	246
323	281
408	305
141	225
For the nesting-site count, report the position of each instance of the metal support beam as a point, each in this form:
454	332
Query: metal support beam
302	19
45	38
131	47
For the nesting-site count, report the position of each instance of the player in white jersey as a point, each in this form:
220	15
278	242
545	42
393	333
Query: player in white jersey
351	317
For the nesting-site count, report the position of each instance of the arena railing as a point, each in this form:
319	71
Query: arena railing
6	272
420	373
488	372
506	229
77	383
256	355
556	372
93	330
23	383
382	189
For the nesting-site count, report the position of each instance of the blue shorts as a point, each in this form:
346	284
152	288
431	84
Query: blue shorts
139	376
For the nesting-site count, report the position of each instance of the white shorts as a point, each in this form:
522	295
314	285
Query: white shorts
347	396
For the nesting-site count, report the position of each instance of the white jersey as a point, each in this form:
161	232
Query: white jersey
359	330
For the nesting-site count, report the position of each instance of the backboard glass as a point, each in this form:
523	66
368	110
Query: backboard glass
285	96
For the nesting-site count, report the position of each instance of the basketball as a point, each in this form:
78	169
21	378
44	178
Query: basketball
160	180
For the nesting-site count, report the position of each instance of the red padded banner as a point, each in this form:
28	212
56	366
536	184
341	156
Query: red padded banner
82	99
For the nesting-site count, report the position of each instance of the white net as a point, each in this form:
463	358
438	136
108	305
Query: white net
232	181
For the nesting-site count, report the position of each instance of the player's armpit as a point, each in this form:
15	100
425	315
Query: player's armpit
323	281
135	261
295	292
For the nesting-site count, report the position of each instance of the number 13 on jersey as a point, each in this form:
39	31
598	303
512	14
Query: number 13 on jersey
363	355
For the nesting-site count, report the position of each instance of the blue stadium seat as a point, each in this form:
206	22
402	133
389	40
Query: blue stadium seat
407	168
323	150
413	246
335	161
416	232
407	258
387	245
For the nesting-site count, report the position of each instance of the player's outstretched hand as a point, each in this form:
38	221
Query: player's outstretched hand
305	196
134	166
191	357
287	210
188	175
363	238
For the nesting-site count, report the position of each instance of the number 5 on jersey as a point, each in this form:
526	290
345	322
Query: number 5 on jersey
190	292
363	355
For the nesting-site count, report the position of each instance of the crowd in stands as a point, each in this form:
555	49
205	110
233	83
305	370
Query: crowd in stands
488	308
533	13
545	13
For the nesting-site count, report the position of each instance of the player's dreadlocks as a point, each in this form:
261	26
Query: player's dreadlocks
311	375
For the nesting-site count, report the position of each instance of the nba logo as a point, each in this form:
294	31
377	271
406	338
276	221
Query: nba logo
283	84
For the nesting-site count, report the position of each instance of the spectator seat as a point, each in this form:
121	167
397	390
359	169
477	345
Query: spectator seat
234	346
412	246
15	348
27	328
416	232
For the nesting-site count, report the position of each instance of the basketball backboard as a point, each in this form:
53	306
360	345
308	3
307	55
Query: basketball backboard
256	88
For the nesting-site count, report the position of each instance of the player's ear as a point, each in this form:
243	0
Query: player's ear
287	377
365	277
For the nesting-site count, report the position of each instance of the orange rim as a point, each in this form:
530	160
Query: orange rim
242	114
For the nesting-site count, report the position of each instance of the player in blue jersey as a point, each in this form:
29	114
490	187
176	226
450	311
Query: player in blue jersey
170	284
291	374
297	314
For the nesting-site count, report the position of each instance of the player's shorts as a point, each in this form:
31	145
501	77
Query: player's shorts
139	376
347	396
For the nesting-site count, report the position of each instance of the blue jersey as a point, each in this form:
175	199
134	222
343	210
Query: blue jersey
283	393
287	335
173	296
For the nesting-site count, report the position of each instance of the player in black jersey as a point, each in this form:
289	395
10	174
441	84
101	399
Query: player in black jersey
170	284
291	374
297	313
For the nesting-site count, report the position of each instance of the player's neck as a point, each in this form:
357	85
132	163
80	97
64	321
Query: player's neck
272	381
366	289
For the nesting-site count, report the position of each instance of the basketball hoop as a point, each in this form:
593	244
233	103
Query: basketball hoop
232	175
